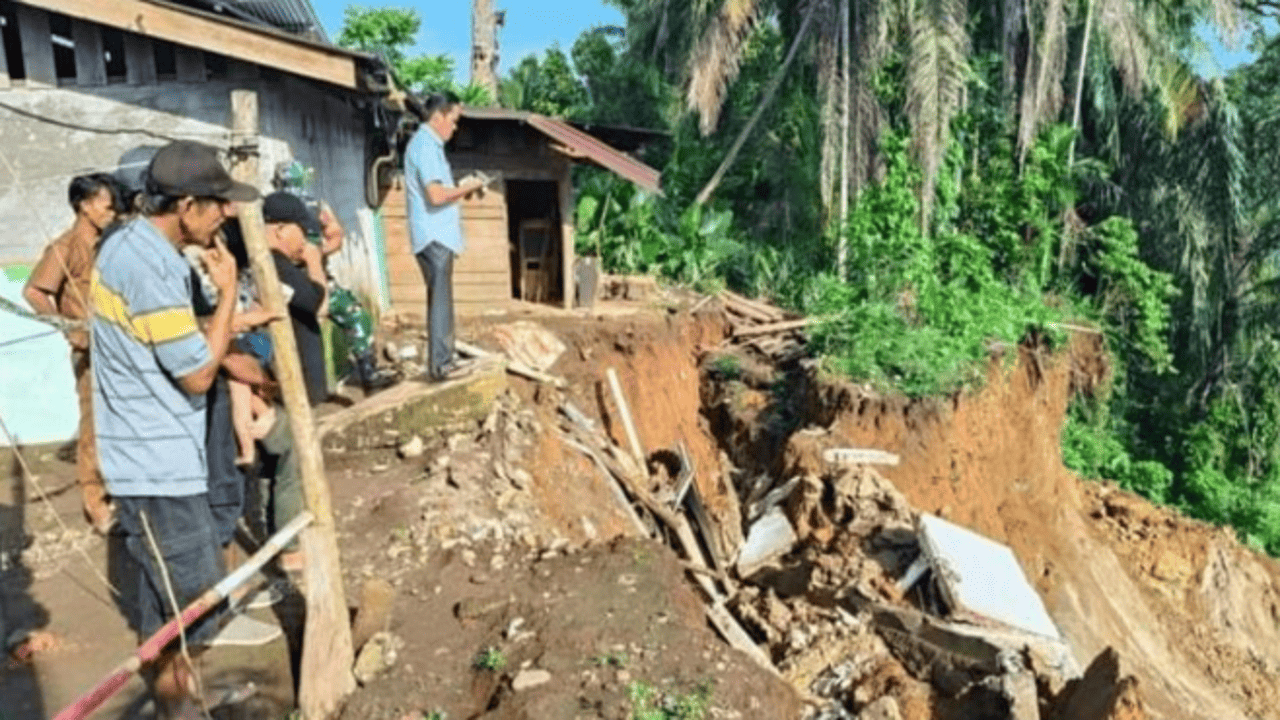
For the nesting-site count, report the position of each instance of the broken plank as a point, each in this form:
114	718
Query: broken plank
612	482
627	423
859	456
778	327
769	313
513	366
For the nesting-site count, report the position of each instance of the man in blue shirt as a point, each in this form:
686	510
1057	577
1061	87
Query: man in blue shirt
152	368
435	227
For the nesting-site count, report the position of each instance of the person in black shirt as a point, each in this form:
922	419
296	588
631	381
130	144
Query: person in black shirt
301	270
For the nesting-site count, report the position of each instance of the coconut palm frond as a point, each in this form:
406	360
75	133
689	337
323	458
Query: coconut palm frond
1128	41
1180	97
937	70
1042	95
715	61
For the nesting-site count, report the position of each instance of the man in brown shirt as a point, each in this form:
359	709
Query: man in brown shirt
59	285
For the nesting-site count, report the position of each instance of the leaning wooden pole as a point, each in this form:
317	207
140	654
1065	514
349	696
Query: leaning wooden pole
774	83
327	655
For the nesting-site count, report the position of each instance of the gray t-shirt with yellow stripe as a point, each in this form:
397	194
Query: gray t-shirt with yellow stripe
151	433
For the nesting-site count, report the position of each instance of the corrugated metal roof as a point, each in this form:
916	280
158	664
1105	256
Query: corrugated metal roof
292	15
580	143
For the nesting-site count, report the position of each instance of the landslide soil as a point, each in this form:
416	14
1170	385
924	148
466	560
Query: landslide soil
500	537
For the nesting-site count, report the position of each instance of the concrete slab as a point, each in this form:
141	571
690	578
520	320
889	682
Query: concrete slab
770	537
981	579
414	407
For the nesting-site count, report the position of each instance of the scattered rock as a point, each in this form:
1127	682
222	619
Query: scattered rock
412	449
377	656
530	678
886	708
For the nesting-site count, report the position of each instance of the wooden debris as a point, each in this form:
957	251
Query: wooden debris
627	423
596	445
778	327
859	456
513	367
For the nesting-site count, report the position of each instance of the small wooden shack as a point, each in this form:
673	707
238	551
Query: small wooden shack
519	232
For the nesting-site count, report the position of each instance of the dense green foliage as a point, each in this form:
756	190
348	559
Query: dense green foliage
983	213
390	32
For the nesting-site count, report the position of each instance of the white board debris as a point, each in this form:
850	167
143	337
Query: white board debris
981	580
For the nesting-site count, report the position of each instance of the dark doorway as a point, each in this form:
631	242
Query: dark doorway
533	227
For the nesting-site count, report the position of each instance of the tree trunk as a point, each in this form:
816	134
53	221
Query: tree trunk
1084	58
327	654
774	84
842	248
484	46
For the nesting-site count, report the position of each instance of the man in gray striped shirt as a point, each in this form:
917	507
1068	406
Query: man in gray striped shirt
152	368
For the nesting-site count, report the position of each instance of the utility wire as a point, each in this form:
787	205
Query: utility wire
225	135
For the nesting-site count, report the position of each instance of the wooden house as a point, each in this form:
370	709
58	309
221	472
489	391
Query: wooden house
89	85
519	232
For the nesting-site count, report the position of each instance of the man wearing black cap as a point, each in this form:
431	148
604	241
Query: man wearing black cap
152	368
300	267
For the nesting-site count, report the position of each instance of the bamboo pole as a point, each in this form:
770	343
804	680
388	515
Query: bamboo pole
327	654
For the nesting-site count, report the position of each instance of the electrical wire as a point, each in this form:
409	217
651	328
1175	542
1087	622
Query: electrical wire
224	135
27	338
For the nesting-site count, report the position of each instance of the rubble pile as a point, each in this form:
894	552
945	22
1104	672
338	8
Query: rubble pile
868	608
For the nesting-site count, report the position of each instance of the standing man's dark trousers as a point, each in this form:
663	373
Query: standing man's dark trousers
436	262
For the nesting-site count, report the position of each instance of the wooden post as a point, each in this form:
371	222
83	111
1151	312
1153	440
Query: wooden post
139	60
327	655
568	283
91	64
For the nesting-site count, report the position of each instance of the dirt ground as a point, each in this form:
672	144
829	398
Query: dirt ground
521	589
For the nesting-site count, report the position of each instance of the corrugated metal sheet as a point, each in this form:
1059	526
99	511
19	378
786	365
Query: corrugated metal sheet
292	15
579	143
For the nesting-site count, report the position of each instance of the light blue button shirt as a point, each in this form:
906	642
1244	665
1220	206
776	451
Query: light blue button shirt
425	163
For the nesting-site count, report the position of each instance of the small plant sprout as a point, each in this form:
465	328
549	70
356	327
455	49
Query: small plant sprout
491	659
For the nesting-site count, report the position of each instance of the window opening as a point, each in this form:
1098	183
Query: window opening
12	42
64	47
215	66
113	54
166	59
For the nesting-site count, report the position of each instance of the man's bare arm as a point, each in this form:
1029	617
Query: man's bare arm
222	270
438	194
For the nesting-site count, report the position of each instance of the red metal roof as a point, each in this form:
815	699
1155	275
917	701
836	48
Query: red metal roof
580	144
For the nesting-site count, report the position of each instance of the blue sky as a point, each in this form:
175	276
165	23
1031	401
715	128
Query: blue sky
531	26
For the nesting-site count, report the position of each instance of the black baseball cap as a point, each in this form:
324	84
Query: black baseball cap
285	207
190	168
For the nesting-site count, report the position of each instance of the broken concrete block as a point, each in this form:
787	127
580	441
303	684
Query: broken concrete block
770	537
529	343
415	407
981	580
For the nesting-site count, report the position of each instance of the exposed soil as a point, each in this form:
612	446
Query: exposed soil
499	537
